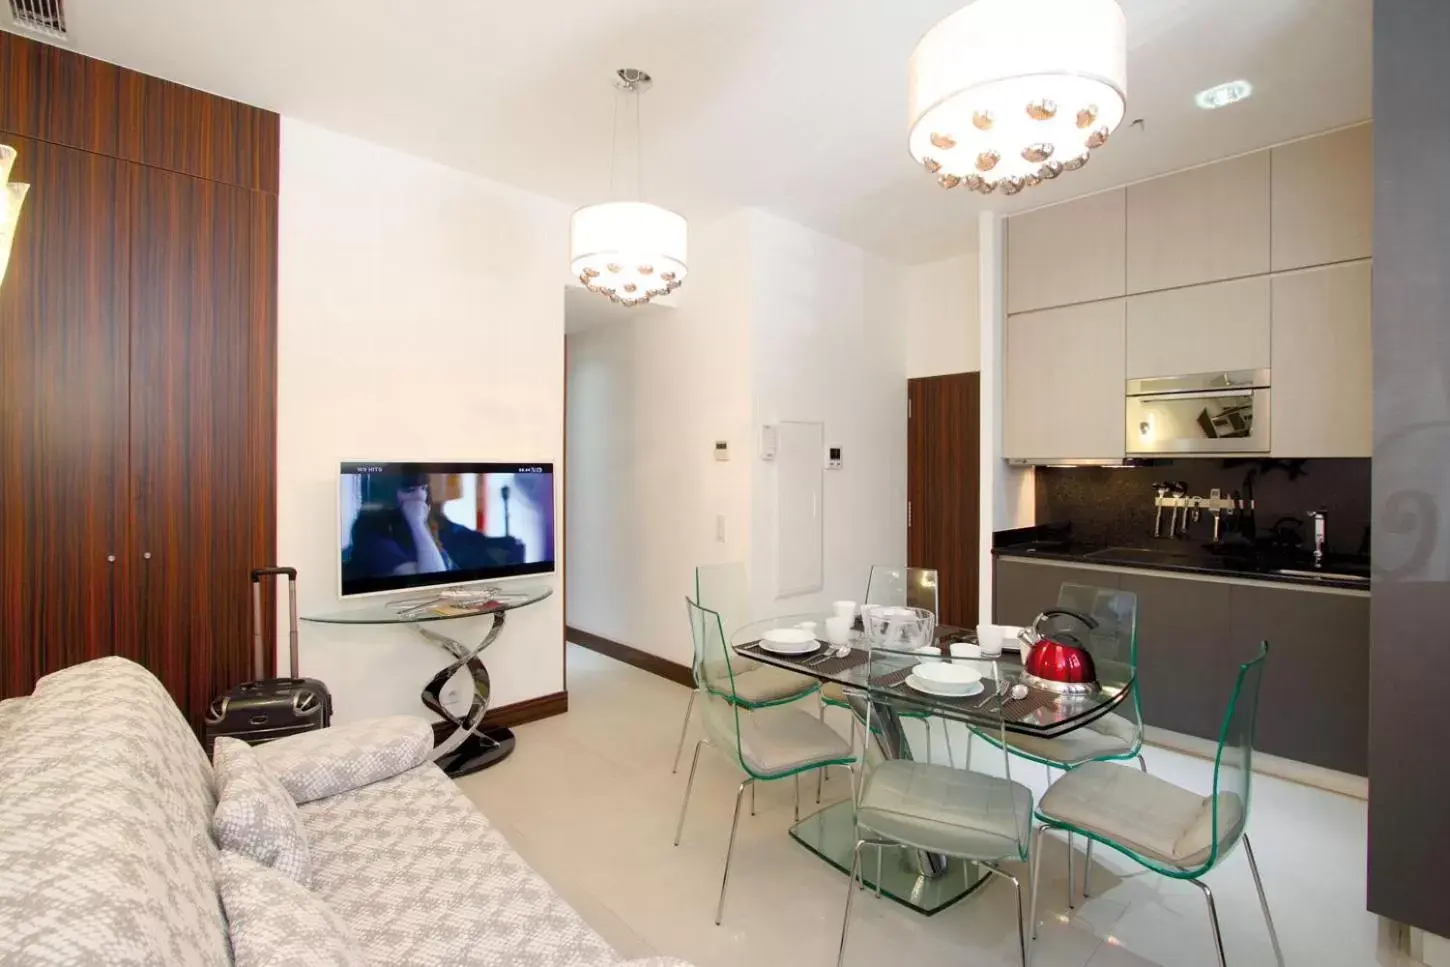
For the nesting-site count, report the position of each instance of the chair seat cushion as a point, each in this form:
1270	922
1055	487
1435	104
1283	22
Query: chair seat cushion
765	685
946	810
1111	735
774	741
1152	817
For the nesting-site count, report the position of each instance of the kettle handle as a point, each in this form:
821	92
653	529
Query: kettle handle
1086	619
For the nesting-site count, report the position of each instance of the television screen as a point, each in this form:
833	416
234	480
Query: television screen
415	525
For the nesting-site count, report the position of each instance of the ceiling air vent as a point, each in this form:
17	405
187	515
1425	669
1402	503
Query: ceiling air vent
44	17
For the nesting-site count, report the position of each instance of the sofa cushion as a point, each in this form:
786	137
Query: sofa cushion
314	765
255	815
421	878
106	855
275	921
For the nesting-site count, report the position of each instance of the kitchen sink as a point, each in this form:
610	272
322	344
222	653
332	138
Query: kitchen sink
1290	572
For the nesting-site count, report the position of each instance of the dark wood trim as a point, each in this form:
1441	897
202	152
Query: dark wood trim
654	664
519	713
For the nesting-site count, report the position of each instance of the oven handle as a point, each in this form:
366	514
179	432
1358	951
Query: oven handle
1170	397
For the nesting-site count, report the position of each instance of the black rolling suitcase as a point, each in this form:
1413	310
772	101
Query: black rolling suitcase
270	708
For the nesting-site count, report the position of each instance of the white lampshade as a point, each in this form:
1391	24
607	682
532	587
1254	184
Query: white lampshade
12	197
1011	92
630	251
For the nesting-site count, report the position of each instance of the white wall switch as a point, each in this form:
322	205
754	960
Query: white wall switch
769	440
833	457
722	449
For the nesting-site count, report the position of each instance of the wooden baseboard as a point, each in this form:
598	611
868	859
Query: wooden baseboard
654	664
507	716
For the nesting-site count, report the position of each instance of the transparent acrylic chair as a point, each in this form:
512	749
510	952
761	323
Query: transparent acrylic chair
914	587
1168	829
902	804
768	743
1117	735
723	589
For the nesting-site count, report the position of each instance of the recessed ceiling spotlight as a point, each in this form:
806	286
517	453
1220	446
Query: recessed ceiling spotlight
1223	95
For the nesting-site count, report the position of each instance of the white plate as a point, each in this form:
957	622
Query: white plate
956	676
931	688
789	641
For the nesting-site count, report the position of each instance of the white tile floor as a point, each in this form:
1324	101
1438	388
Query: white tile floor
589	800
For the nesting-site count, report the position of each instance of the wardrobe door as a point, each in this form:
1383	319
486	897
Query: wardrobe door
63	362
203	425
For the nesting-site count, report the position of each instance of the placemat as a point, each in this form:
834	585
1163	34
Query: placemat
828	667
1019	710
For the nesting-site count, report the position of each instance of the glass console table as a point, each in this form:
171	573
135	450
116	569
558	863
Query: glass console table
471	746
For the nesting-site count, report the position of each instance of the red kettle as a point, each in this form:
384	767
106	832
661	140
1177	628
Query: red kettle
1057	660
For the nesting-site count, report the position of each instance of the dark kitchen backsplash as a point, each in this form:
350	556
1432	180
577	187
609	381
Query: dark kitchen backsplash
1114	506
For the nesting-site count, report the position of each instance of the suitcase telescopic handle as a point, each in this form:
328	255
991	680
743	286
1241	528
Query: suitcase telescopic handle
258	653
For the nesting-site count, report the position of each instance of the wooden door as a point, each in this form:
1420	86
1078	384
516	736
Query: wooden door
942	487
63	377
203	425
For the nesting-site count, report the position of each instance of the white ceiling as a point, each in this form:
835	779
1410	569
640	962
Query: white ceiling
795	106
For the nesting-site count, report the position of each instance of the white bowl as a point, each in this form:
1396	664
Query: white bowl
948	676
788	641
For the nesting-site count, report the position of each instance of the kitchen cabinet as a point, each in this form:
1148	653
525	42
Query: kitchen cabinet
1063	394
1200	225
1066	254
1024	589
1322	362
1221	327
1187	656
1315	703
1323	199
1193	633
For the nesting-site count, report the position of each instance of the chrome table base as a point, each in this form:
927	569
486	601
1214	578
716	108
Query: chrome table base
471	747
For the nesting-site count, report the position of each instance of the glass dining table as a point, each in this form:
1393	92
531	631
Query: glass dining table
874	685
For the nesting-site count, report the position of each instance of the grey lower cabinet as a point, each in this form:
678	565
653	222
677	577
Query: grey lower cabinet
1194	634
1315	704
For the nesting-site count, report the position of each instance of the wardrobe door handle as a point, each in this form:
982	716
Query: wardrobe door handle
147	555
110	559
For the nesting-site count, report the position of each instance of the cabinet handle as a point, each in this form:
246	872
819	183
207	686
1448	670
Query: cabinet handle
110	559
147	555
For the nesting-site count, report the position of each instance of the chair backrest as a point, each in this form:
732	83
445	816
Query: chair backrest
1233	765
714	671
725	590
913	587
890	696
1115	638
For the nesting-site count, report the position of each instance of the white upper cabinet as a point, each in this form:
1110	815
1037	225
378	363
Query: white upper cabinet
1063	395
1222	327
1322	362
1066	254
1323	199
1200	225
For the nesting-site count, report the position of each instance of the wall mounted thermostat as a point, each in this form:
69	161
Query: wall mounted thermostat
722	450
769	439
833	457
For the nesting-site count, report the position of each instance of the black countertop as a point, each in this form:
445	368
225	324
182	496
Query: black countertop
1055	543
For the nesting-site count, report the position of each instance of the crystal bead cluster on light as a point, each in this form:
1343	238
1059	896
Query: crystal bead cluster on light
629	251
1011	93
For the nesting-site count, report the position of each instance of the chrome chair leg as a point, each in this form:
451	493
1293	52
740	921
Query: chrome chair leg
946	730
796	781
689	785
820	777
1070	904
926	723
730	849
850	895
1142	764
1036	874
1087	869
684	727
1021	926
1213	920
752	800
880	852
1263	901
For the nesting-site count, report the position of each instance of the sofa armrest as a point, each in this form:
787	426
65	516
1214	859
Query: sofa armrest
315	765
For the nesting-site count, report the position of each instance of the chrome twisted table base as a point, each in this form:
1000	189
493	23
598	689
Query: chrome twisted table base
471	746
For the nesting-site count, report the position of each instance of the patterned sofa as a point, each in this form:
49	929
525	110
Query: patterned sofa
108	856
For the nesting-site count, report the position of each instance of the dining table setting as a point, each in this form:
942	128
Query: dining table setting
895	664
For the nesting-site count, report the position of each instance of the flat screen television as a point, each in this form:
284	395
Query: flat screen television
422	525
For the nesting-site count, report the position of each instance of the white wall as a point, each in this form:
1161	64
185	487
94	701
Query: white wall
420	316
941	327
650	392
826	345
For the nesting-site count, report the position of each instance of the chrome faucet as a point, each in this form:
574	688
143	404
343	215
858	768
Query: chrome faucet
1319	516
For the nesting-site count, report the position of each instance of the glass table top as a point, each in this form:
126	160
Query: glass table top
880	674
469	602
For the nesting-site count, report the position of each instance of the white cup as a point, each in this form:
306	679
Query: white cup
989	638
844	609
838	630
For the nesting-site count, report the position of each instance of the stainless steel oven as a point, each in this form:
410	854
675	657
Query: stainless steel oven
1217	413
